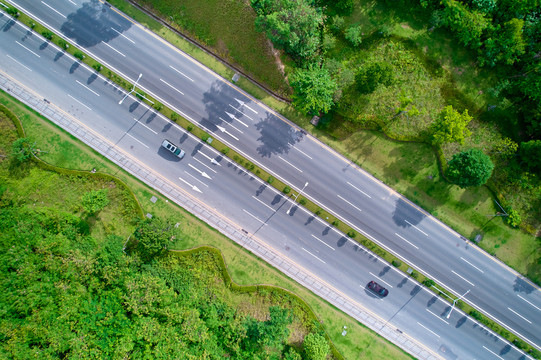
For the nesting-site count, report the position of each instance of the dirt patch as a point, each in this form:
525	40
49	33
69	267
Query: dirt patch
277	60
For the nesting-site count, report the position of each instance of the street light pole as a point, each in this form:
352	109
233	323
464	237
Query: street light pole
132	90
454	303
300	192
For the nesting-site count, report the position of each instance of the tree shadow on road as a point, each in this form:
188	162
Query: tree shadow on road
277	137
93	23
405	215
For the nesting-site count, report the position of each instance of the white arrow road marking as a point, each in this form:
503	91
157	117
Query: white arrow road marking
249	117
243	104
222	129
190	185
234	118
205	165
231	125
212	160
203	174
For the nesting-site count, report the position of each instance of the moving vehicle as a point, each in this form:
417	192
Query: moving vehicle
378	289
173	148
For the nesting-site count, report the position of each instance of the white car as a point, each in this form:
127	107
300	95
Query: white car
174	149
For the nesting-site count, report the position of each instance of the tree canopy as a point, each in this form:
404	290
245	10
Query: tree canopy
295	25
469	168
152	237
530	155
450	126
313	89
316	346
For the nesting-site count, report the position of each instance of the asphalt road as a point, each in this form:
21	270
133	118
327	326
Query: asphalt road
375	209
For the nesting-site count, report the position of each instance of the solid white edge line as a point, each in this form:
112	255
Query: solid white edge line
323	242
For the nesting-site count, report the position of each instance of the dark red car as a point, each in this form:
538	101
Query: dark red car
378	289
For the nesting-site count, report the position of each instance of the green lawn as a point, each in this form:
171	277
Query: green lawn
243	267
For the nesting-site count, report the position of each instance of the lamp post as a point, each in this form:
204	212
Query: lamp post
454	303
132	89
300	192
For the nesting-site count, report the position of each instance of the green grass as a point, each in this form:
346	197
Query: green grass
244	267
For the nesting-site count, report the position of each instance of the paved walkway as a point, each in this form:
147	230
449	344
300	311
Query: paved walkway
206	214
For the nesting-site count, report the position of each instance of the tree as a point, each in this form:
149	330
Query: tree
316	346
506	44
294	25
313	90
450	126
152	237
371	75
468	25
95	200
530	154
469	168
353	34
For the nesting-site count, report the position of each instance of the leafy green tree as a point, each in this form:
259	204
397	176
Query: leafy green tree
513	219
468	25
316	347
505	148
506	44
313	90
530	155
485	6
469	168
294	25
354	35
22	149
371	75
152	237
95	200
450	126
292	354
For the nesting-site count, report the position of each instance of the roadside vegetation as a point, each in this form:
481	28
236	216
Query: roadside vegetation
408	70
148	300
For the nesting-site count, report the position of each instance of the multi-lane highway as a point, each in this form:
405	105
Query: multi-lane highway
229	114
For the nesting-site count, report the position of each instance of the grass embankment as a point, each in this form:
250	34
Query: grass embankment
59	148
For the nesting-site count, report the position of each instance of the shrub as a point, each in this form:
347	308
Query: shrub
396	263
95	200
79	55
12	11
513	219
469	168
205	137
476	315
287	190
318	211
225	150
352	233
336	223
189	128
429	282
270	179
354	35
303	201
47	35
22	149
97	67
